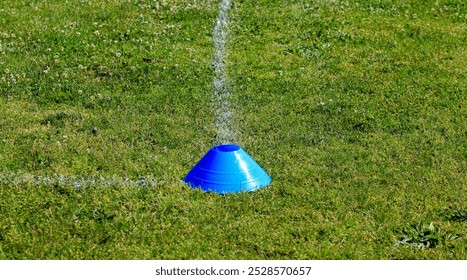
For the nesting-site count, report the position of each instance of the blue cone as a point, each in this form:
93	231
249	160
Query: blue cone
227	169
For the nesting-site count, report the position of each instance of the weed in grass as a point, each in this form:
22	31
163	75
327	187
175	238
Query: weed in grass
423	236
420	236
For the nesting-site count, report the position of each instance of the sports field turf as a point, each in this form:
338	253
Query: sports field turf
356	109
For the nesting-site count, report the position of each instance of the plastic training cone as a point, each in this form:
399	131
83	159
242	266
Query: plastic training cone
227	169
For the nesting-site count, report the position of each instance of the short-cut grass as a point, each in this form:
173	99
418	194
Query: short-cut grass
356	109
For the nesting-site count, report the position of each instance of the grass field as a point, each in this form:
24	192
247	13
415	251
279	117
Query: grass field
356	109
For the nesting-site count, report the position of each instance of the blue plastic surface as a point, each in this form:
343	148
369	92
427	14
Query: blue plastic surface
227	169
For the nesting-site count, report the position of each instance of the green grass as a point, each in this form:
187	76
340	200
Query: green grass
356	109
